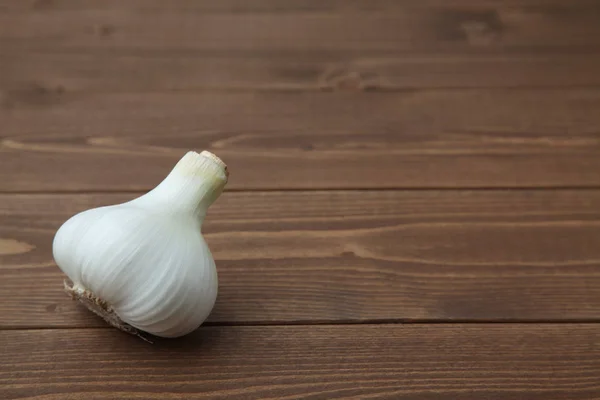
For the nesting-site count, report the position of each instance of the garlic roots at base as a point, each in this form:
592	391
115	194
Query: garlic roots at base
144	263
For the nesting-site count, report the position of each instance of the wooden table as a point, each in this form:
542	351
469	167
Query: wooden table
413	210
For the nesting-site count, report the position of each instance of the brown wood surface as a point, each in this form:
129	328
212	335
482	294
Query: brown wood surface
99	71
418	139
413	210
458	362
348	256
396	27
288	6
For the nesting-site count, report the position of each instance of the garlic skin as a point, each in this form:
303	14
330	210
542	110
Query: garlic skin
146	261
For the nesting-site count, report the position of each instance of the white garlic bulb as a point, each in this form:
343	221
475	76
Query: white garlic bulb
143	265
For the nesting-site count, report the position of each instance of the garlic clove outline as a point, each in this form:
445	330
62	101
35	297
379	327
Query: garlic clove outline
143	265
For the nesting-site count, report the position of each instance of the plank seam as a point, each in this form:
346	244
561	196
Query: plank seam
339	323
337	189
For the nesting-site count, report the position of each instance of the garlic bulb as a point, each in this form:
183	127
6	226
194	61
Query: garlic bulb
143	265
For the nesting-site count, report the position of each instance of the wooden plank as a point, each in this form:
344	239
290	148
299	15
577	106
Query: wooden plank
437	26
102	71
348	256
416	139
276	6
419	362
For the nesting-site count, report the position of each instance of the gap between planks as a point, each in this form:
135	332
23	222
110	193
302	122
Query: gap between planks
318	190
337	323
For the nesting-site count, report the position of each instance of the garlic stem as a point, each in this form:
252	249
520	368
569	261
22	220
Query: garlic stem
195	182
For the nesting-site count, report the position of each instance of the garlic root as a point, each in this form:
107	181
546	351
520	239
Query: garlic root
101	308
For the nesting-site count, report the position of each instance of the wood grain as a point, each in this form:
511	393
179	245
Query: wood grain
348	256
419	362
58	141
277	6
131	71
434	26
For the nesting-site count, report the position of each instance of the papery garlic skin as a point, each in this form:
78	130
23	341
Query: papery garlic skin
147	258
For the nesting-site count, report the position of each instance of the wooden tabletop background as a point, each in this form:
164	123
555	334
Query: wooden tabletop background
413	210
